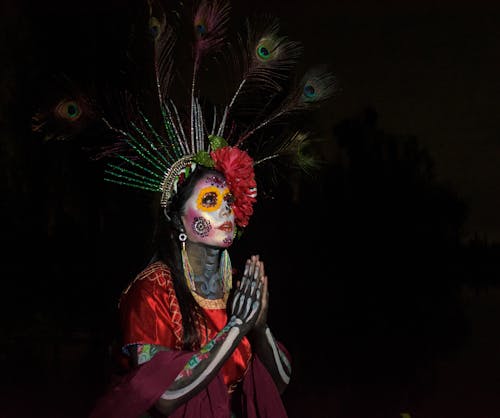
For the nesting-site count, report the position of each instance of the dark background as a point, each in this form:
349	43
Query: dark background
384	268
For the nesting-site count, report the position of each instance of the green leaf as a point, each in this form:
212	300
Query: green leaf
217	142
203	158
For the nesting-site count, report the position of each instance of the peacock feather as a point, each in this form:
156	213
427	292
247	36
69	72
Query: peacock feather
68	110
257	112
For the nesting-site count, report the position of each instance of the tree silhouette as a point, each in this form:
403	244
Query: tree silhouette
378	238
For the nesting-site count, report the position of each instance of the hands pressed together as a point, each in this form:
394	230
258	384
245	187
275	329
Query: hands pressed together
250	300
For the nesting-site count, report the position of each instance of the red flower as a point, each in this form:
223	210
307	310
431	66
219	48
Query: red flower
237	167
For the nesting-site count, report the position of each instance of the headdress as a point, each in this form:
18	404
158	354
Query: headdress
254	124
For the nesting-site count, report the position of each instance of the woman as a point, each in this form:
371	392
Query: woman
199	348
193	349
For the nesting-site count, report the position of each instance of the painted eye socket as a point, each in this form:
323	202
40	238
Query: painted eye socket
229	199
209	199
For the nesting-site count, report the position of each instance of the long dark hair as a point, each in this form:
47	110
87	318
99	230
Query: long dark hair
168	249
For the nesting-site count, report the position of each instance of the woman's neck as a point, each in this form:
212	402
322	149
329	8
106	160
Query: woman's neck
204	261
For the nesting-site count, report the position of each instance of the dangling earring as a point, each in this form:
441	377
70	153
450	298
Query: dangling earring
183	238
188	274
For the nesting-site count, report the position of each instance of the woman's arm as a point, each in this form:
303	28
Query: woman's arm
206	363
263	343
272	356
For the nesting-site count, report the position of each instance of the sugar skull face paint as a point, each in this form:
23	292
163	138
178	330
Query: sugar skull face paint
208	216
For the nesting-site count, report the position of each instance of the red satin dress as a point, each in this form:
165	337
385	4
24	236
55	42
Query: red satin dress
150	314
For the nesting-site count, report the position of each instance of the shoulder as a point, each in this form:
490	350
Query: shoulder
149	309
155	281
155	275
152	290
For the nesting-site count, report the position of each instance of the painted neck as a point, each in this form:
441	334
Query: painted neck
205	262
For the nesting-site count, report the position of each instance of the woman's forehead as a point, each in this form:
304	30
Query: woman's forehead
212	179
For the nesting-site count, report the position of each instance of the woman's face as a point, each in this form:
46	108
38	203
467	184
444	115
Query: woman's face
208	216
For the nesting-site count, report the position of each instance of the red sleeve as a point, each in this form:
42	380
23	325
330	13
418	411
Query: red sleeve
138	390
149	310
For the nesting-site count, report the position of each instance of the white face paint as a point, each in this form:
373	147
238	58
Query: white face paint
209	217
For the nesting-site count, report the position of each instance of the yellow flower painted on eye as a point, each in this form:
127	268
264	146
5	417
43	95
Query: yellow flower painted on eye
209	199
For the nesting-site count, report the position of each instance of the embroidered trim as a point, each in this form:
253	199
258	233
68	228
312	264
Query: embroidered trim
210	303
153	274
159	273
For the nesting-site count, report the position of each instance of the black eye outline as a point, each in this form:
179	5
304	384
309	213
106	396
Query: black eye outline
209	199
229	199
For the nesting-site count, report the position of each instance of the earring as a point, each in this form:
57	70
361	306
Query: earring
188	274
183	238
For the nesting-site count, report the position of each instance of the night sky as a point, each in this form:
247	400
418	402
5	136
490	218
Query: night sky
429	69
384	267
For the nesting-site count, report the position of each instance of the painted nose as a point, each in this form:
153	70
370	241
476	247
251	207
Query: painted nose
226	209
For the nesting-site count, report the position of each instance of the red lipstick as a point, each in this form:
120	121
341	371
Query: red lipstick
226	226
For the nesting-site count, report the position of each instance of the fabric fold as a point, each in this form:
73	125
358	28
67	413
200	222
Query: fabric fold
137	392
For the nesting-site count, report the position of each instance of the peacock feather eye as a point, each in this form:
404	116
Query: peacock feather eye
154	27
263	52
268	48
309	91
68	109
200	29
